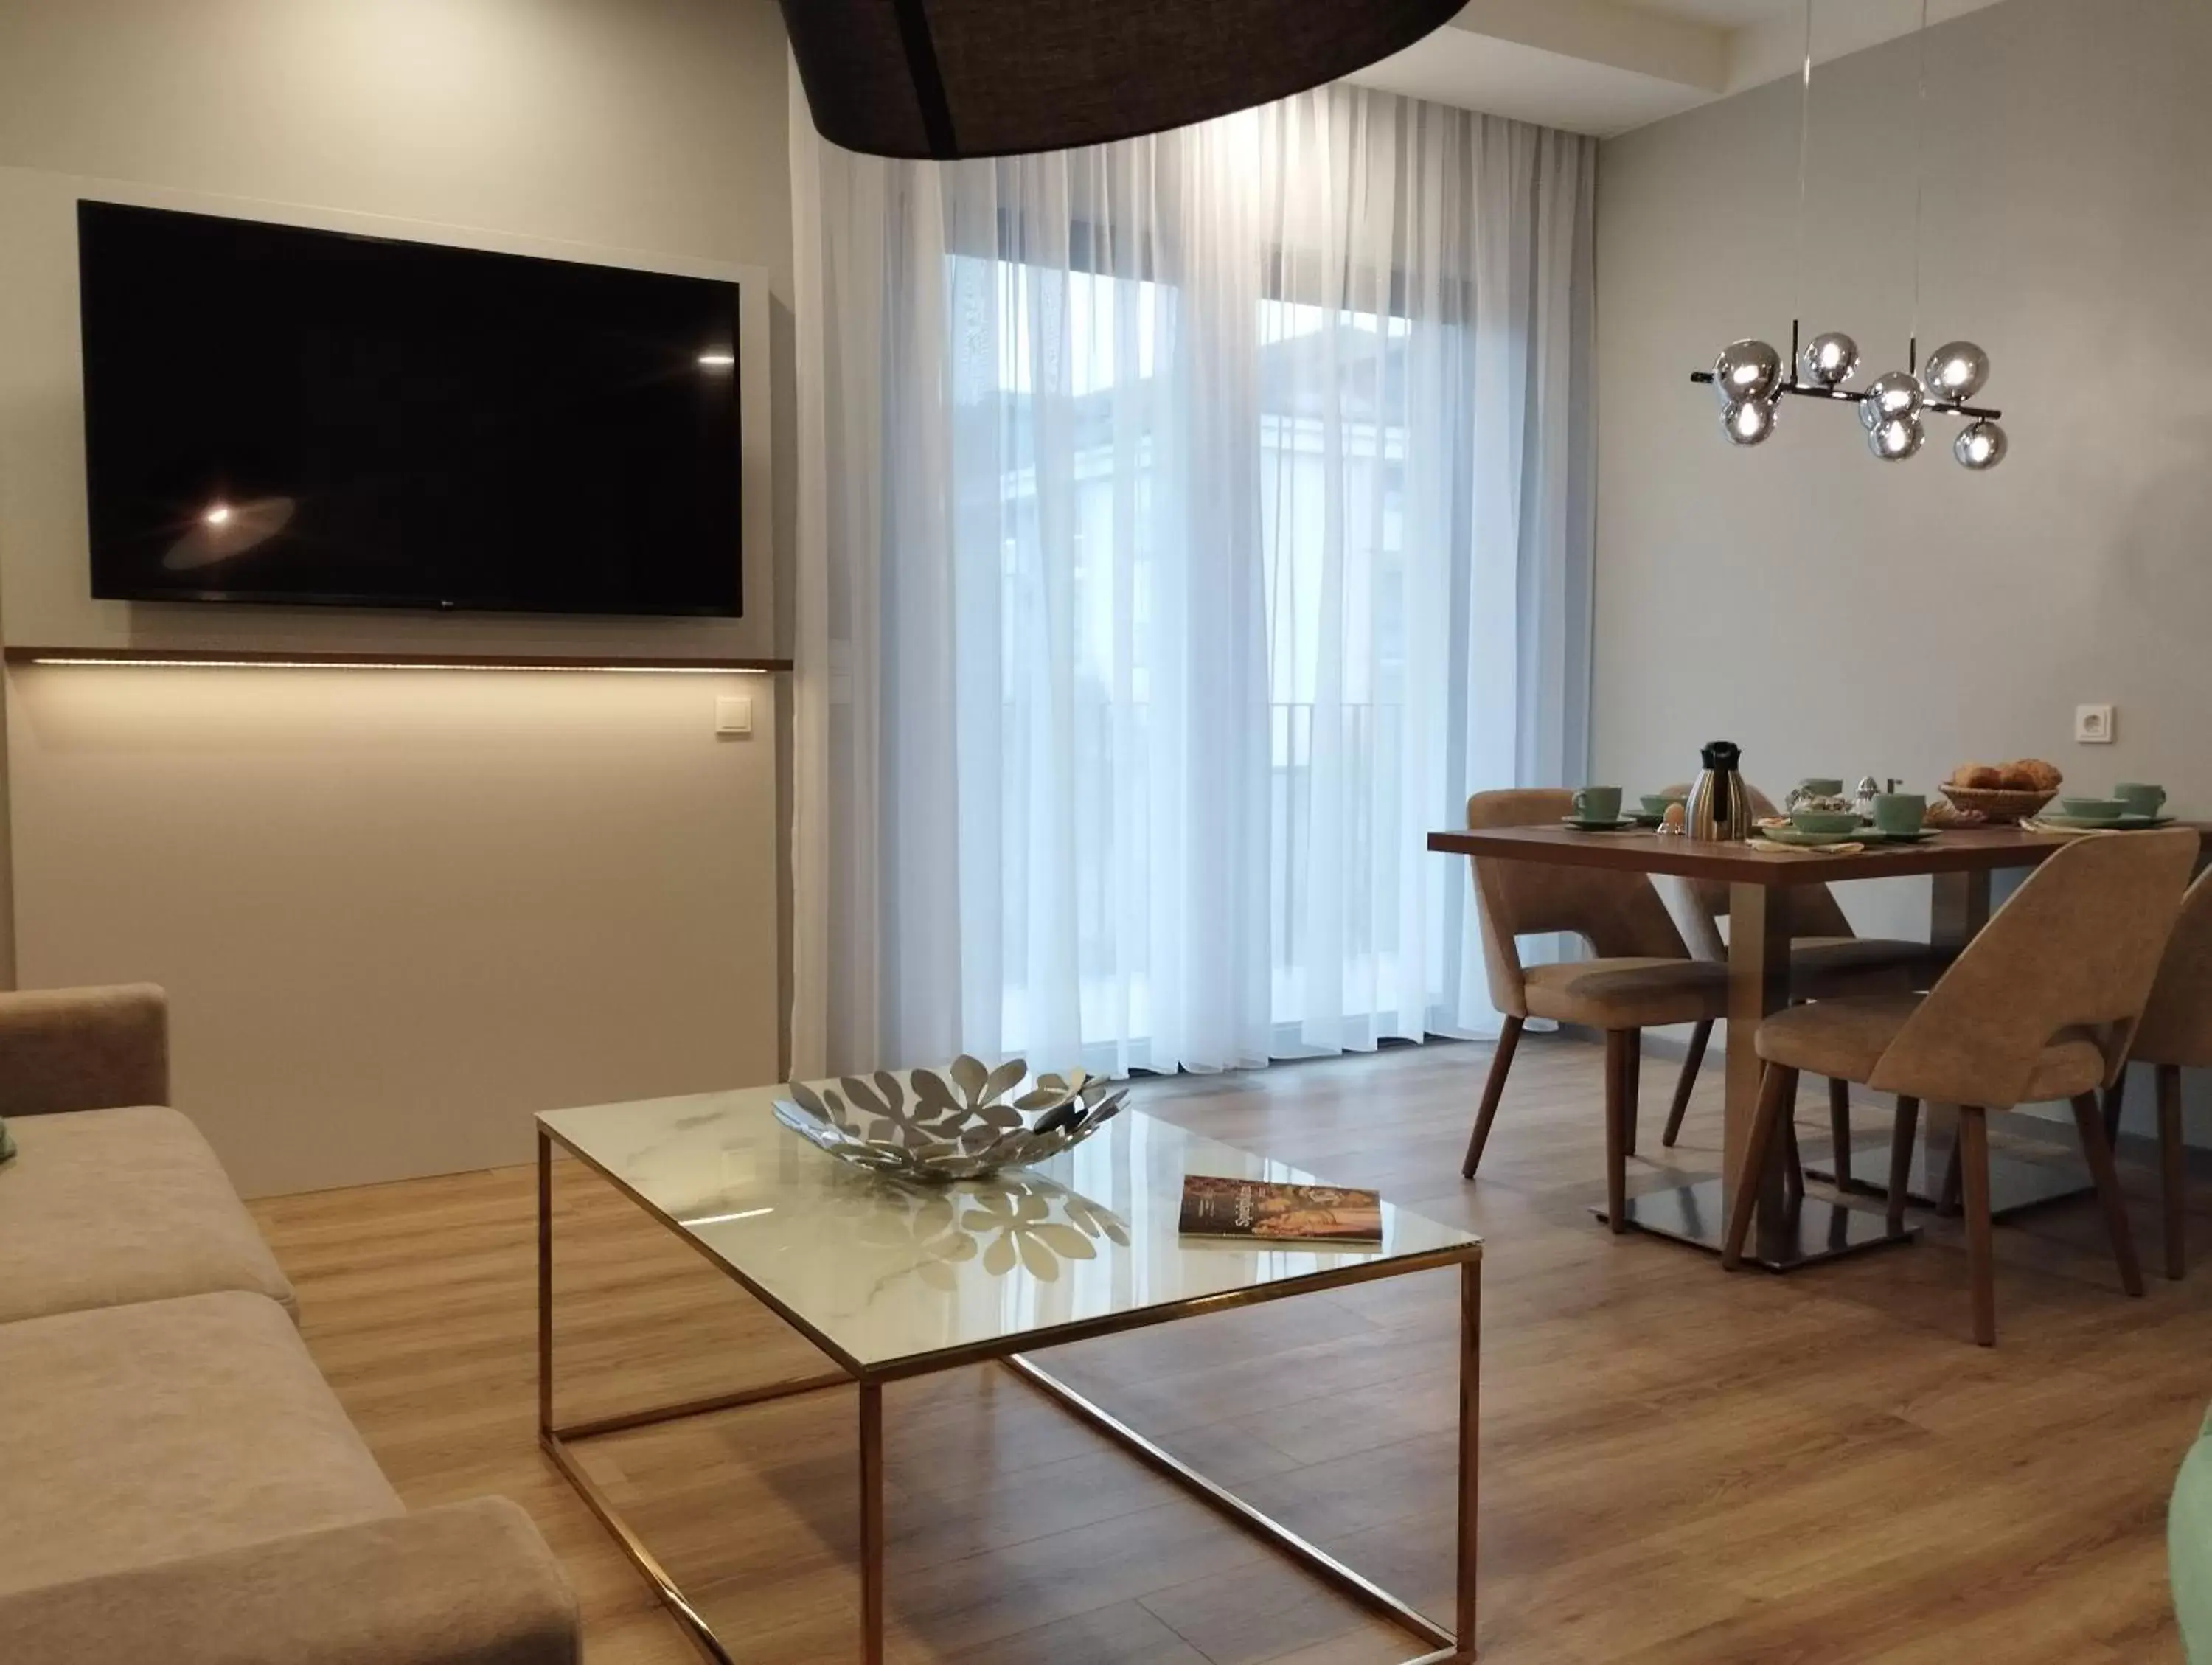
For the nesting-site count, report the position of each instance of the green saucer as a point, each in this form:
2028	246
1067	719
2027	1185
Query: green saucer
1810	841
1876	835
1621	825
2116	824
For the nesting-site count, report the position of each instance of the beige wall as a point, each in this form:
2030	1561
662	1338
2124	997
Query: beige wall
395	911
1839	616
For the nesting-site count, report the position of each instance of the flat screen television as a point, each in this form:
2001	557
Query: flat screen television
280	415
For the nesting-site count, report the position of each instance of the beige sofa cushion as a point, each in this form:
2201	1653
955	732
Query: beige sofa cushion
104	1207
134	1435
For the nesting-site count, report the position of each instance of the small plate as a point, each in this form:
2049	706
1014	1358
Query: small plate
1807	840
2089	823
1644	820
1875	836
2145	821
1621	825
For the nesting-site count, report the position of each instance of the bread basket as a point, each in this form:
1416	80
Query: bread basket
2000	803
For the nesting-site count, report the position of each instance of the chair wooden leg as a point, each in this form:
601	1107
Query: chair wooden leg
1691	1065
2172	1170
1793	1159
1621	1047
1777	1094
1974	1182
1501	1061
1900	1158
1839	1129
2116	1097
2089	1117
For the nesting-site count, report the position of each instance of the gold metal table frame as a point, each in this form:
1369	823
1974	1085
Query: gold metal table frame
1446	1647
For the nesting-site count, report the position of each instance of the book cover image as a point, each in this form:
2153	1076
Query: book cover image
1248	1208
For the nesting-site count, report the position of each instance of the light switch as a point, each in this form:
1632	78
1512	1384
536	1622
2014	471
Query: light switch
733	714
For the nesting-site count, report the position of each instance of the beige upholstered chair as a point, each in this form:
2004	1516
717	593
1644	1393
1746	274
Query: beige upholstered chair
1827	959
2175	1034
1643	977
2042	1005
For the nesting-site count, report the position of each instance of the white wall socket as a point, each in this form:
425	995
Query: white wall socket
733	714
2092	725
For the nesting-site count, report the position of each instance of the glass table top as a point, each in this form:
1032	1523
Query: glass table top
883	1272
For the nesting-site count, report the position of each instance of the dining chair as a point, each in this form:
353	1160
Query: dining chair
1827	959
2175	1034
1643	975
2042	1005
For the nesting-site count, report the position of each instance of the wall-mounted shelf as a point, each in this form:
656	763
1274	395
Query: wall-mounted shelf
201	659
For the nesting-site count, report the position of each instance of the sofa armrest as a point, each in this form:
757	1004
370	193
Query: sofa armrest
470	1584
84	1048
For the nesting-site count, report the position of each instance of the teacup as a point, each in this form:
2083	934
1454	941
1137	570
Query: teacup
1900	811
1824	822
1597	804
2140	797
1815	785
2092	809
1656	803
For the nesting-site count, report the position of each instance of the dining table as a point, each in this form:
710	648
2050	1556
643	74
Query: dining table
1795	1228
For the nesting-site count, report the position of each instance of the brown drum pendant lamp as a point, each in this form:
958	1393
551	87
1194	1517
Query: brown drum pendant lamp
951	78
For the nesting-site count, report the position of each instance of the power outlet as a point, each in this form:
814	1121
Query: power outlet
2092	725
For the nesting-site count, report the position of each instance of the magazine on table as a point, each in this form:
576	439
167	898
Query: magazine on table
1249	1209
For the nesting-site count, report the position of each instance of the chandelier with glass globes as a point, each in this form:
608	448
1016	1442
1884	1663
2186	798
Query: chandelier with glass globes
1750	379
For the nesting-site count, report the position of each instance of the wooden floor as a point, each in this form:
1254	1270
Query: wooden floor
1678	1466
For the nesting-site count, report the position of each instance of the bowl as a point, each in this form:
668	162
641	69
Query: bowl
964	1123
1997	806
2093	809
1826	821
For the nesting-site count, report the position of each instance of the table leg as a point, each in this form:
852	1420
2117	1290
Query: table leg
872	1522
1793	1229
1958	908
1759	985
544	1284
1470	1377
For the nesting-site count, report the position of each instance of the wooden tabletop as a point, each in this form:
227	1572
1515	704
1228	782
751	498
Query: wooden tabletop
1955	850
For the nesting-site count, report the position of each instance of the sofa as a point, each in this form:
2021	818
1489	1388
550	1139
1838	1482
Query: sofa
177	1481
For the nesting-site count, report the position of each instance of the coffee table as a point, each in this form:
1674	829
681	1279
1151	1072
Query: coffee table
891	1281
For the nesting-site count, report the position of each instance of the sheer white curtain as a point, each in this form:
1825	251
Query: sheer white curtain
1186	526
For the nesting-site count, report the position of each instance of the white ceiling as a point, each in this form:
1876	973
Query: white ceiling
1606	66
1722	13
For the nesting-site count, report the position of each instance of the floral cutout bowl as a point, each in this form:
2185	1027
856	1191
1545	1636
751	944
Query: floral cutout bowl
956	1124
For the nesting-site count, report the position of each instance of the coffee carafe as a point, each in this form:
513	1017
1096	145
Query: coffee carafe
1720	804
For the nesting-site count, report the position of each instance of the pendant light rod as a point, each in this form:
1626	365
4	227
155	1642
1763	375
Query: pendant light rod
1804	147
1919	181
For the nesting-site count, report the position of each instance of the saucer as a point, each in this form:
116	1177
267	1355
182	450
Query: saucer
2116	824
1621	825
1644	820
1876	835
1810	841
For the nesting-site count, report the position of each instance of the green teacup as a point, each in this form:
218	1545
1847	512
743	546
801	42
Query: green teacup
1597	804
1900	811
1824	822
2092	809
1656	803
2140	797
1816	786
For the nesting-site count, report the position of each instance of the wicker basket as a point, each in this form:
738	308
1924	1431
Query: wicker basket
1999	804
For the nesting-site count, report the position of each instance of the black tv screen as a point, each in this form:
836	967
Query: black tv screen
280	415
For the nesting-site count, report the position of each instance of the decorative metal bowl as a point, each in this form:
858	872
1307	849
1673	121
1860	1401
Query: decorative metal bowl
954	1125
